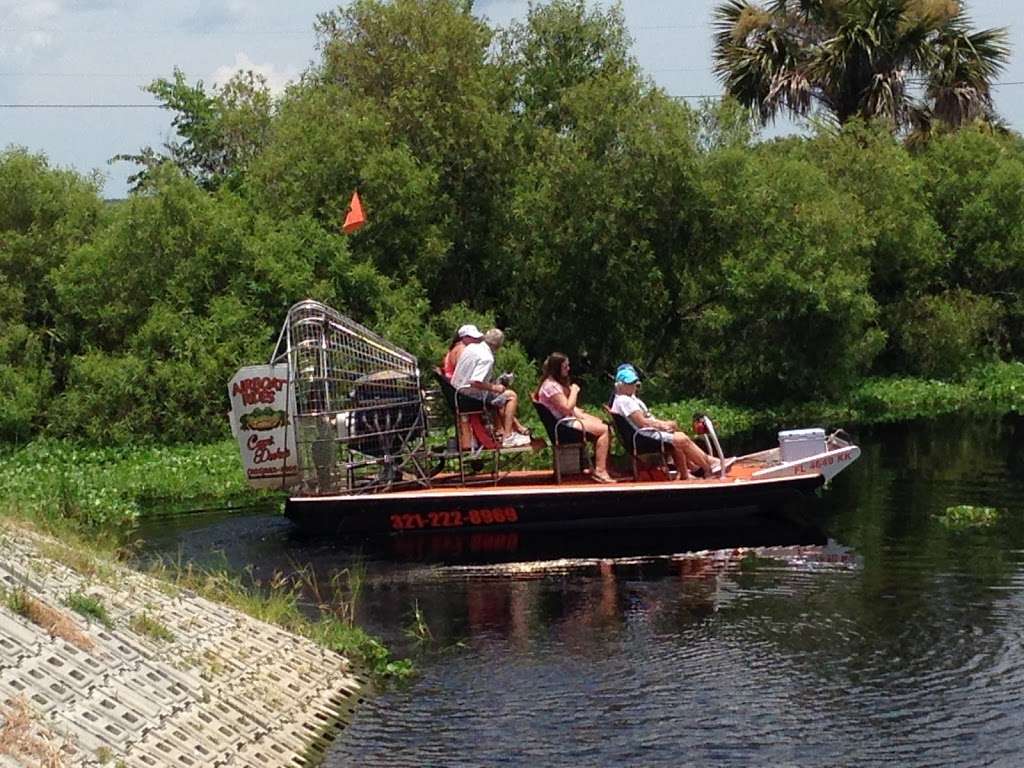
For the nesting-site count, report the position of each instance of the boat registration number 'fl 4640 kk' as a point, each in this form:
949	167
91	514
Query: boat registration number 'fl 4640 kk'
820	463
453	518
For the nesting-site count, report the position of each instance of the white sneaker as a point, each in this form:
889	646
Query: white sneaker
515	440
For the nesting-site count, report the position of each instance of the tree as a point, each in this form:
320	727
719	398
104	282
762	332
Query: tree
859	58
203	281
560	46
976	183
44	213
423	68
220	132
793	318
601	218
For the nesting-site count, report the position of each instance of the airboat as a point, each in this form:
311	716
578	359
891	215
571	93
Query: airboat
343	421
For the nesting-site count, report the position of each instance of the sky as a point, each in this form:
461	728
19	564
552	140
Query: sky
104	51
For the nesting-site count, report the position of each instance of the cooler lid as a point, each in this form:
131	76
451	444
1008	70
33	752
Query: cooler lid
802	434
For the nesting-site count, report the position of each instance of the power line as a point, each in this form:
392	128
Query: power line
153	32
82	106
80	74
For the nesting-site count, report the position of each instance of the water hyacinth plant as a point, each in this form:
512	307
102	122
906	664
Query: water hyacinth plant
964	517
110	488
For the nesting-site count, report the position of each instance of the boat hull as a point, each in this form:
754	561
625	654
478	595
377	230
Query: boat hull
545	507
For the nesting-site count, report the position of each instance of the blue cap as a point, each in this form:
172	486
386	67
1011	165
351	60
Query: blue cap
626	374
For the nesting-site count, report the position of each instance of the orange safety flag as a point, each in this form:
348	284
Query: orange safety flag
355	218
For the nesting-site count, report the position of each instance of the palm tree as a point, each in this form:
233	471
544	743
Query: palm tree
907	61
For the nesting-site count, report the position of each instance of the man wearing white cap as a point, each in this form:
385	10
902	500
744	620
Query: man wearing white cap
473	371
467	334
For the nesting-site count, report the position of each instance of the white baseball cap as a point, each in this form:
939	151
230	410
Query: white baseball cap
470	330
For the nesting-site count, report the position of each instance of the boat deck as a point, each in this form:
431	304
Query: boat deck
451	484
740	471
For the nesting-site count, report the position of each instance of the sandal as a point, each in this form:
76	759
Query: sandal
601	478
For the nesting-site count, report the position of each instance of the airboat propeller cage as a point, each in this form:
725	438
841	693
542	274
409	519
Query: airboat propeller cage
355	413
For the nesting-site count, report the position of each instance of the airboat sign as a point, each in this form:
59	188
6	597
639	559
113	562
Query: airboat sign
261	423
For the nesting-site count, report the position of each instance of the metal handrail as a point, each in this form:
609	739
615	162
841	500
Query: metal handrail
713	439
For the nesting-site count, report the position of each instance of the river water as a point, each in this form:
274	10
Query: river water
855	630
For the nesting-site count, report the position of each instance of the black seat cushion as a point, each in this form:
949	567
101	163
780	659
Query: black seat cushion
567	435
466	404
625	430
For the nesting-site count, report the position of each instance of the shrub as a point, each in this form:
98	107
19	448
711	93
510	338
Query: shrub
942	336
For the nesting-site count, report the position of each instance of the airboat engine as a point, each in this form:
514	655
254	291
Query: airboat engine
338	409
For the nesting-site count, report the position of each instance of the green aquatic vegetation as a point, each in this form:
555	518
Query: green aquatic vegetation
418	628
90	607
109	489
992	388
965	517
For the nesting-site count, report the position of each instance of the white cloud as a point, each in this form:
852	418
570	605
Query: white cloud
277	79
32	12
30	26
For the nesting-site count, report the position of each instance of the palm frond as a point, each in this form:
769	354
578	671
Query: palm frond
856	58
759	60
963	66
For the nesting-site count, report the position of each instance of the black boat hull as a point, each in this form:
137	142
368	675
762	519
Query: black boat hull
626	505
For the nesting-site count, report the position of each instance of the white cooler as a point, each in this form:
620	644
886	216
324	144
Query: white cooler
796	444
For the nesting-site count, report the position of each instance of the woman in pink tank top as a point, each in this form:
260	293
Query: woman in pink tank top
559	394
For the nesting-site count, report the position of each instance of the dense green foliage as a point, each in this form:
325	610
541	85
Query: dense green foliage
531	177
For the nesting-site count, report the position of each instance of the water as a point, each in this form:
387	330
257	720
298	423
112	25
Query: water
864	632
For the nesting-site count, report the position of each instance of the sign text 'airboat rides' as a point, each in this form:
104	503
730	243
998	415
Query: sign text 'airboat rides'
340	418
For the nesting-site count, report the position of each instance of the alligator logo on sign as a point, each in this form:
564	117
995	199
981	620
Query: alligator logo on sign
262	419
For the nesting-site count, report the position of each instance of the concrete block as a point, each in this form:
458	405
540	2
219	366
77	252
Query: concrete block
123	694
126	712
91	730
18	639
149	682
193	725
30	678
176	746
77	669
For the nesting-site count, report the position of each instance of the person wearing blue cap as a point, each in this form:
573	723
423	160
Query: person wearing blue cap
685	452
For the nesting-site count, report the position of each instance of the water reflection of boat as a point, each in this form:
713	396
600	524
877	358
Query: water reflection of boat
355	453
483	547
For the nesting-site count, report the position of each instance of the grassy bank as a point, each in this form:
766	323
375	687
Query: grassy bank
88	499
296	602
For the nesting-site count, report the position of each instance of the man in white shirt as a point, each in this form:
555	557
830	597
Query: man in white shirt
685	452
472	379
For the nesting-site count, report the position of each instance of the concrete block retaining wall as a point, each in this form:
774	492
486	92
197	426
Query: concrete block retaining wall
227	690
